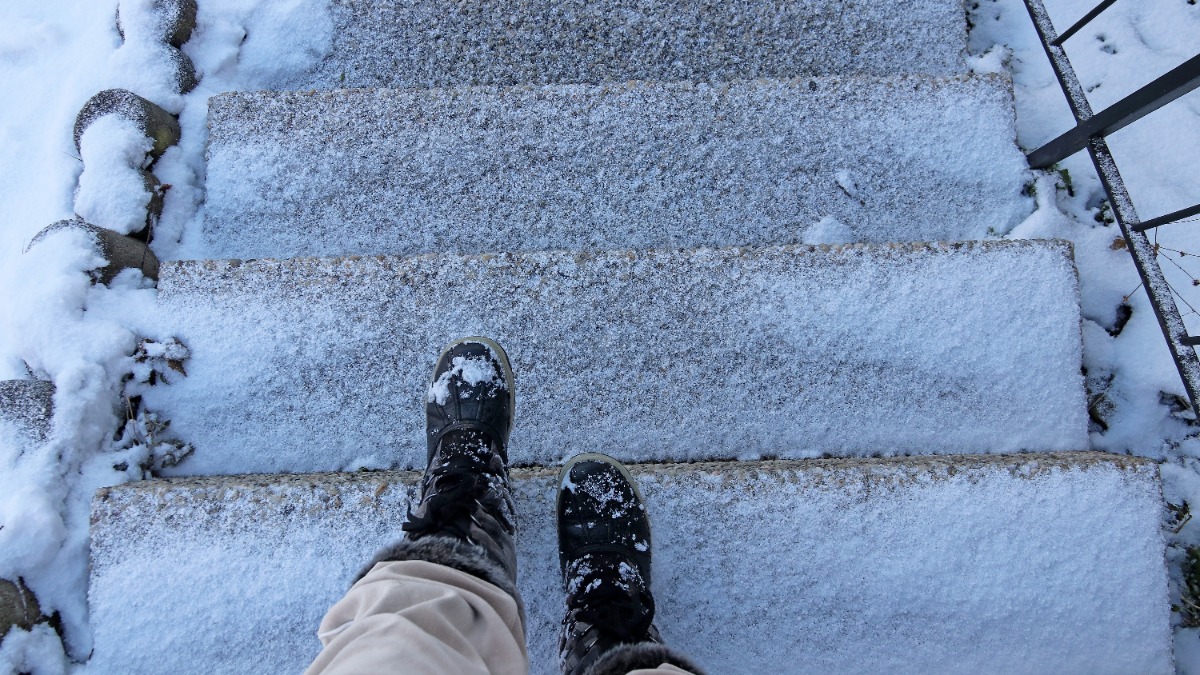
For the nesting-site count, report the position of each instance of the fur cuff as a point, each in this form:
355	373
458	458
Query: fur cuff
624	658
449	552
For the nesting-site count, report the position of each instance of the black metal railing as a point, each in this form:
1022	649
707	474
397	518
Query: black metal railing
1090	132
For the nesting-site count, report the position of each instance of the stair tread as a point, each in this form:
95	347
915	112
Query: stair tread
966	563
794	351
637	165
420	44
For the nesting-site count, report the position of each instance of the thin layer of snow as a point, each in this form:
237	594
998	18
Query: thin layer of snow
491	169
55	54
715	353
497	42
1012	564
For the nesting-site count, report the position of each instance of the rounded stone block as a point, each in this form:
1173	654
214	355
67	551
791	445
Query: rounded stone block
176	21
120	251
28	405
18	607
158	124
185	71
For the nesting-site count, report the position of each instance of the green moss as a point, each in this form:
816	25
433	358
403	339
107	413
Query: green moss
1064	179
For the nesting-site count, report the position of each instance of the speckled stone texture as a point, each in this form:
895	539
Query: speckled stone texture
26	409
633	165
323	364
861	566
414	43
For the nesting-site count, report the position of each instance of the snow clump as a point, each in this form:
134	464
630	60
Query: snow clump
828	230
472	371
112	191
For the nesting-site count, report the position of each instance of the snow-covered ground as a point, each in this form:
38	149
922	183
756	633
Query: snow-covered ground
55	54
1133	381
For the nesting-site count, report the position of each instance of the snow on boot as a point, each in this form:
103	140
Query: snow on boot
465	516
604	555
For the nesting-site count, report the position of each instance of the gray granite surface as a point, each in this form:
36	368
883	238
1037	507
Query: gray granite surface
860	566
322	364
416	43
27	408
629	165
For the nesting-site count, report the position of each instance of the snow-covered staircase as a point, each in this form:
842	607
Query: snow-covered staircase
621	193
996	564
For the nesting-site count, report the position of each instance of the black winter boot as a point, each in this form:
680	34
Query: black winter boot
604	555
465	517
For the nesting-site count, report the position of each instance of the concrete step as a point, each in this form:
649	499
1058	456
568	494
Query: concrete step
1003	564
677	355
637	165
26	411
404	43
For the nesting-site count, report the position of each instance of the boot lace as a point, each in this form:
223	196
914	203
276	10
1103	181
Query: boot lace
610	595
454	490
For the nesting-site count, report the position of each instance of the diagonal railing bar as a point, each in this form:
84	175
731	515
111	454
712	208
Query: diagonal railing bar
1169	218
1139	246
1087	18
1181	80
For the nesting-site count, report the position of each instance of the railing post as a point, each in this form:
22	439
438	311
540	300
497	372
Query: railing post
1140	249
1180	81
1066	35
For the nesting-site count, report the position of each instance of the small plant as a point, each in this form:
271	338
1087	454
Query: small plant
141	441
156	362
1180	515
1064	180
142	444
1100	407
1189	593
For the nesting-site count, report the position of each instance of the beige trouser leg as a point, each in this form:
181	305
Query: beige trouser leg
421	617
665	669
